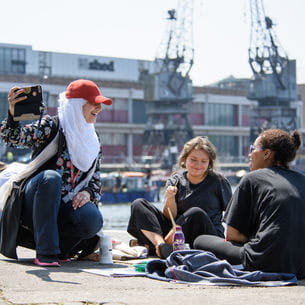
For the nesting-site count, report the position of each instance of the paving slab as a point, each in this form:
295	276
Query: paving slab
21	282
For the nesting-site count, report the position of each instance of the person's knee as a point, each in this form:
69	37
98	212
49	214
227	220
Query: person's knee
52	177
95	223
92	220
197	211
194	214
46	185
207	242
137	204
198	244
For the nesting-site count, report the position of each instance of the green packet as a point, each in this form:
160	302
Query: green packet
140	266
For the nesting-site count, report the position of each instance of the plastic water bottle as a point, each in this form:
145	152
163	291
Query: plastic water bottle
179	239
105	249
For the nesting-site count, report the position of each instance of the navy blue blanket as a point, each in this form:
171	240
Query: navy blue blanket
202	267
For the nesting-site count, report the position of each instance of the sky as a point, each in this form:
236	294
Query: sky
135	29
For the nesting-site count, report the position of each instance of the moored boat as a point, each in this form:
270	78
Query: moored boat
125	187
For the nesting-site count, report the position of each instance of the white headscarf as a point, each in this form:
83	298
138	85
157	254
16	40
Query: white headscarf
82	141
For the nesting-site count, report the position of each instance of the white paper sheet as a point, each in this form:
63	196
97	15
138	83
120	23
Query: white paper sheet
115	272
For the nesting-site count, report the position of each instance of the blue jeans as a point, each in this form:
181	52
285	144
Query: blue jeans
56	226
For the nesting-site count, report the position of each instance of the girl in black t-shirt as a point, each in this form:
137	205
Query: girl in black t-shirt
195	195
265	217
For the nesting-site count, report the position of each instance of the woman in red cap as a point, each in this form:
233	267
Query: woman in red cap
54	209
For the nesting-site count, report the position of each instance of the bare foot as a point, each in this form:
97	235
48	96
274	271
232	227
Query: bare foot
133	243
158	251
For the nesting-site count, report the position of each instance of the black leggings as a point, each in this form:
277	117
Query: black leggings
222	249
146	216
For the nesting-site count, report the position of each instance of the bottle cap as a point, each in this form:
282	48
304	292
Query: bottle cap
178	228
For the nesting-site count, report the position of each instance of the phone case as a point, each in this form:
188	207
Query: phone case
31	108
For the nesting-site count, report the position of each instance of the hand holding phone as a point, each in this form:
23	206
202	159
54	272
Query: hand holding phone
31	107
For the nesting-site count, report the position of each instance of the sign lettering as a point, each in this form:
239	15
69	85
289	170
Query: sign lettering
96	65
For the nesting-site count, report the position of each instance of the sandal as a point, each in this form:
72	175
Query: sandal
47	260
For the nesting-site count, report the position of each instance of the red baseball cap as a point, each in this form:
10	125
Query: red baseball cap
88	90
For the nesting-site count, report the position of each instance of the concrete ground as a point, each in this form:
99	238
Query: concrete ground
21	282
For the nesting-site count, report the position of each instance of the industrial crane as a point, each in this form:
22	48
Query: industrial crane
168	91
176	52
274	84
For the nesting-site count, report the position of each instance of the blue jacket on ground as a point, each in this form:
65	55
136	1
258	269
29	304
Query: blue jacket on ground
197	266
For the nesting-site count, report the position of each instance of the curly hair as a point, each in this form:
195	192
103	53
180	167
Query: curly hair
198	143
282	143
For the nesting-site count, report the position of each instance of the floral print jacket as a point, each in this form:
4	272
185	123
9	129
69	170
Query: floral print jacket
33	135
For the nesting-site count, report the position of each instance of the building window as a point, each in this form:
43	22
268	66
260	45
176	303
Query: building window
221	115
12	60
113	138
245	115
120	104
3	106
197	114
139	115
227	148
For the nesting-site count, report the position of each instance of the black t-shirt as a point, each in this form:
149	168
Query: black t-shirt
268	207
211	195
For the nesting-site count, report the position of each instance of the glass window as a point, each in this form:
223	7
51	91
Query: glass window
139	112
227	147
106	138
245	146
196	107
113	139
12	60
119	139
52	100
15	54
120	104
221	115
3	106
245	115
6	60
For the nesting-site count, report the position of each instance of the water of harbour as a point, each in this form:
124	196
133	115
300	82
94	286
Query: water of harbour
116	215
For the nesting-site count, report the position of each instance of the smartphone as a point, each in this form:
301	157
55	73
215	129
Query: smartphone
32	107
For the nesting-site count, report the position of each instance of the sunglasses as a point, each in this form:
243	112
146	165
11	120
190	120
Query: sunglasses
253	147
